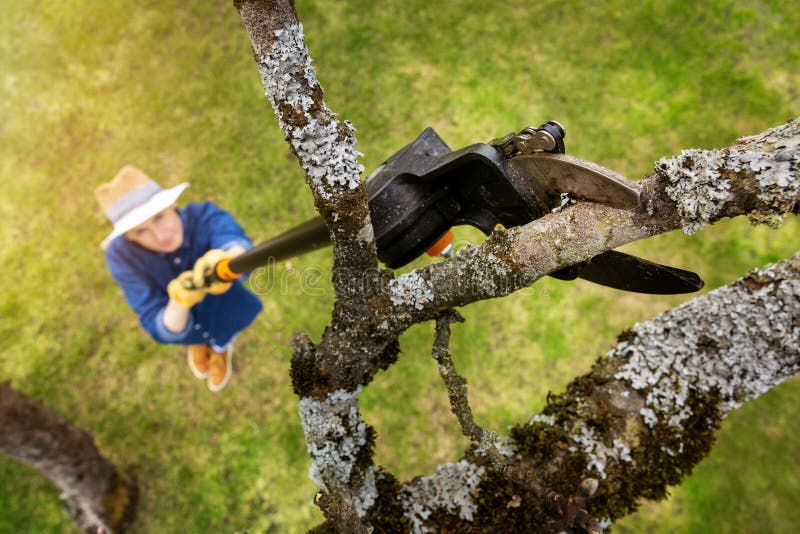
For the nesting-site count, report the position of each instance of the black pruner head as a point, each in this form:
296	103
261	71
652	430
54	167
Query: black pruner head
424	189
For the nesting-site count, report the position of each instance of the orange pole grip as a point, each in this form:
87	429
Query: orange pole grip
223	271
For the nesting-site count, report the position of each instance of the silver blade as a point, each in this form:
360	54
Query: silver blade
554	174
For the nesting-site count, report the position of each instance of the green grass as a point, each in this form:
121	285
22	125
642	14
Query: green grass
171	86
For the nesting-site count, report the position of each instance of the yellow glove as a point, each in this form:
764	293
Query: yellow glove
204	267
183	291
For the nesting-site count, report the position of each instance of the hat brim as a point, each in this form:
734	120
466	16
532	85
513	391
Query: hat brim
155	204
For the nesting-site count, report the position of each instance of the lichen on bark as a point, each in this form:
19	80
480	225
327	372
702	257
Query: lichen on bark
337	438
740	343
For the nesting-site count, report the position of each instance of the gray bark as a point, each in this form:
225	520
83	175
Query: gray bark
638	422
97	495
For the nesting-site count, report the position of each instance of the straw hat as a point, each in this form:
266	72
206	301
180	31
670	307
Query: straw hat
131	198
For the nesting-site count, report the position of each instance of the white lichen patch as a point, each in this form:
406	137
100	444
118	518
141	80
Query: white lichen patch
700	190
598	454
495	276
289	80
410	289
548	420
452	489
366	234
335	435
735	340
490	440
494	270
697	187
364	498
776	171
497	266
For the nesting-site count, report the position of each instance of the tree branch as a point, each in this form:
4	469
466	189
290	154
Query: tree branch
486	440
758	176
326	150
96	494
456	384
324	145
642	418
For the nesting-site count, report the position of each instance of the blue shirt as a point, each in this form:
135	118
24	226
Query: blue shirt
144	274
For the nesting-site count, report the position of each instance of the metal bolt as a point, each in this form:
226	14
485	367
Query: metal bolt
558	125
539	140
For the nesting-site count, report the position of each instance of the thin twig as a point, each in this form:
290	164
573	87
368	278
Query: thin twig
457	390
455	383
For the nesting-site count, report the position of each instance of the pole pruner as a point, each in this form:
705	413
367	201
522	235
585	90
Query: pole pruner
425	189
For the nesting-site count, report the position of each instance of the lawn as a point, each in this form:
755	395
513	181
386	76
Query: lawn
171	86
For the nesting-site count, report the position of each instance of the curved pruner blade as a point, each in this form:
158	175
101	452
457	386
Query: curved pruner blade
559	174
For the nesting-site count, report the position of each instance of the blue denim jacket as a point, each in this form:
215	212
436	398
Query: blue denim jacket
144	274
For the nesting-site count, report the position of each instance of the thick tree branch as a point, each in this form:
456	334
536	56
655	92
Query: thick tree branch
642	418
326	149
97	495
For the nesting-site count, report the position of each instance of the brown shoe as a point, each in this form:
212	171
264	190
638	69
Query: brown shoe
220	368
198	357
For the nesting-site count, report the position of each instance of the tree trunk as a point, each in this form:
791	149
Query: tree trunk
97	495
